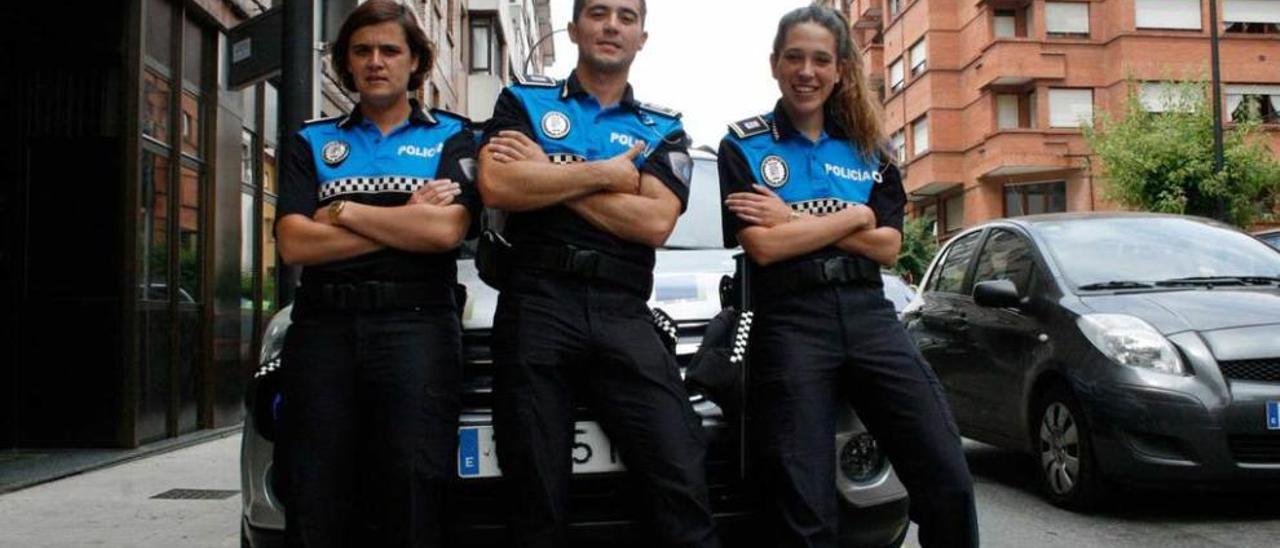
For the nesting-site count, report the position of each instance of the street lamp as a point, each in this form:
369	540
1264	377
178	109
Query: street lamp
534	49
1221	205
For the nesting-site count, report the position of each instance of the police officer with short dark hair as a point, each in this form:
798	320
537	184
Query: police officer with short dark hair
374	205
816	204
593	181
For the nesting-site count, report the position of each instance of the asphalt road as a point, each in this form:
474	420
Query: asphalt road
114	507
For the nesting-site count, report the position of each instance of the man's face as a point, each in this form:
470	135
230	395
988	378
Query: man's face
608	34
807	69
380	63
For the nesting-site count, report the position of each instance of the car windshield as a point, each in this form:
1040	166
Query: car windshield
699	226
1135	252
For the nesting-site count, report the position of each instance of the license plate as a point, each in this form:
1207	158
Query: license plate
592	453
1273	415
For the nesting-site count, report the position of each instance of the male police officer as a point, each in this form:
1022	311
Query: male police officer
374	204
593	181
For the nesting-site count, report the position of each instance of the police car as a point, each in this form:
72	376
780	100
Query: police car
686	287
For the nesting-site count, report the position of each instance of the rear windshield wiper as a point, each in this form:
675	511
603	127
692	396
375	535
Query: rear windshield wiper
1116	284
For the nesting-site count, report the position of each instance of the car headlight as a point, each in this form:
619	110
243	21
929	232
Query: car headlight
861	460
1130	341
273	338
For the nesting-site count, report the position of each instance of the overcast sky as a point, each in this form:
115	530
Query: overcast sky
708	59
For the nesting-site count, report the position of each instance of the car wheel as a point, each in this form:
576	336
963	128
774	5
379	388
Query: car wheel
1069	476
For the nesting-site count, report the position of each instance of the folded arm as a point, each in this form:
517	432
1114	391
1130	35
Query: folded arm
646	218
304	242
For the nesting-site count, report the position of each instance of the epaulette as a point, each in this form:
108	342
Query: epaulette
659	109
314	121
755	125
536	80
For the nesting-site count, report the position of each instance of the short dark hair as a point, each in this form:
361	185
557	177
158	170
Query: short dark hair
374	12
579	5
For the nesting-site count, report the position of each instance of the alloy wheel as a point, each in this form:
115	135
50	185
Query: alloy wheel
1060	448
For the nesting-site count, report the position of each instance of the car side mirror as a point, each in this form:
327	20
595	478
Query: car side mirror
997	294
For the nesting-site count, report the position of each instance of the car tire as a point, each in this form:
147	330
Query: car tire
1063	448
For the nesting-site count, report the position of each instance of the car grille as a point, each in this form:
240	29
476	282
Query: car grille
1255	449
1264	370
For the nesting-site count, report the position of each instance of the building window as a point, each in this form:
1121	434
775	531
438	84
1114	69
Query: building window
1162	97
482	45
1167	14
1007	111
896	76
895	8
898	143
1016	110
1251	16
953	213
919	58
1069	108
1034	199
1253	101
1010	23
920	136
1066	19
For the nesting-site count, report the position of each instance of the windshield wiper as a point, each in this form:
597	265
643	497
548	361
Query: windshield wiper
1202	280
1116	284
1221	280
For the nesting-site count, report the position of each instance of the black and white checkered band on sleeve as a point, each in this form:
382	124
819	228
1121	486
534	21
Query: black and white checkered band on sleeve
821	207
562	158
741	336
370	185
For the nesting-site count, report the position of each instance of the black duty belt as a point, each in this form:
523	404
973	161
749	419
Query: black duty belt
785	280
586	263
372	296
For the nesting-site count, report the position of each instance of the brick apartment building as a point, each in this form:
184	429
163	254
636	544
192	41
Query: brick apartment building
984	98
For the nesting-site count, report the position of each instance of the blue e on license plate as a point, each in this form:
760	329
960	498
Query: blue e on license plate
592	451
1273	415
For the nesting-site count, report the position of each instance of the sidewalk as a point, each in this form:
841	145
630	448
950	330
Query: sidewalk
114	506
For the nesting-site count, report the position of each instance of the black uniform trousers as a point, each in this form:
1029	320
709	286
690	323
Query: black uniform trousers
808	349
371	403
552	331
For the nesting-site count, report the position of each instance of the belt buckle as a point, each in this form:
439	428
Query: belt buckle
833	270
584	261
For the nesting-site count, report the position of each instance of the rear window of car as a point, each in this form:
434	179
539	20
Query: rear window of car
950	277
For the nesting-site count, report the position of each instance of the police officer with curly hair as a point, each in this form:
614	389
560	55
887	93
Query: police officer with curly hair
374	205
812	197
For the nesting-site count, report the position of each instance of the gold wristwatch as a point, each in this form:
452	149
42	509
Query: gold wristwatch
793	216
335	209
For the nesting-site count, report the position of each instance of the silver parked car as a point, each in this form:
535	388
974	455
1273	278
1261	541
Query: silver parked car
687	282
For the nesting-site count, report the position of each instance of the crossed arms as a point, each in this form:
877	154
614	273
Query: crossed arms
515	174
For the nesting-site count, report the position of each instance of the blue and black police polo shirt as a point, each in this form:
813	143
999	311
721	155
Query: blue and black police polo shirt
348	158
816	177
572	126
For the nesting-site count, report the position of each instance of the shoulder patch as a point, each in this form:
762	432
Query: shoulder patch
755	125
670	113
536	80
314	121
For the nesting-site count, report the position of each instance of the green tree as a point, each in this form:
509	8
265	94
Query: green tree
918	248
1164	161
